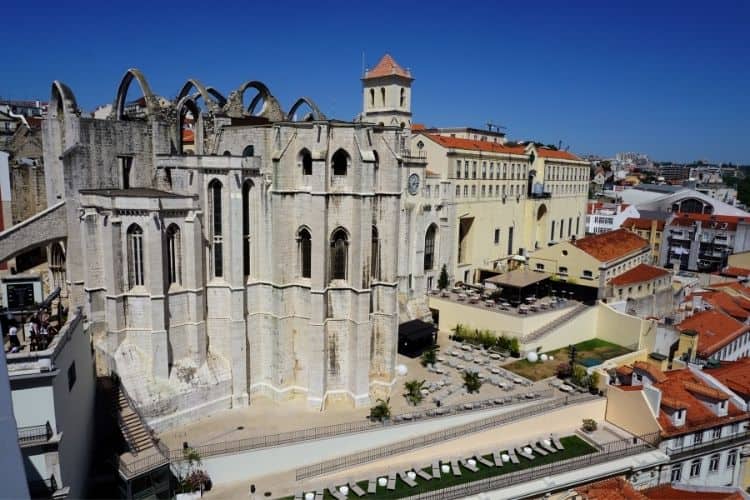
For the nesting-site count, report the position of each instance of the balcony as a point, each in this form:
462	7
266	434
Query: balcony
34	435
708	445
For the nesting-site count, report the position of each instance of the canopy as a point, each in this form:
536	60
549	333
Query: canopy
519	278
414	337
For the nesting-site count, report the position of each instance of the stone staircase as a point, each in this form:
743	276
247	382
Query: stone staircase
553	325
131	425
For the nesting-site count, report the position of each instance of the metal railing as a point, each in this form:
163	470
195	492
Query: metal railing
608	452
371	455
34	434
708	445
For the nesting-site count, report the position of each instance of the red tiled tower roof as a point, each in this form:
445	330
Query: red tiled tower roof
387	67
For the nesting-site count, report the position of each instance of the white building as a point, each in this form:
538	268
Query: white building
605	217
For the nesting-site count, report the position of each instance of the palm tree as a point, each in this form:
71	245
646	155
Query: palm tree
381	411
472	382
413	392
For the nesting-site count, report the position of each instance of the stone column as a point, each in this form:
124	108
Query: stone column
235	276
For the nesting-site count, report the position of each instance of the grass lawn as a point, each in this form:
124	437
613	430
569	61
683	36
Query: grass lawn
574	447
589	350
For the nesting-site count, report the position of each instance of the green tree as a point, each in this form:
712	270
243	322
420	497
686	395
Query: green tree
572	355
593	381
429	356
413	392
515	347
580	376
472	382
381	411
443	278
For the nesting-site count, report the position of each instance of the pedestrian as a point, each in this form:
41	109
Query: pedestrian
15	344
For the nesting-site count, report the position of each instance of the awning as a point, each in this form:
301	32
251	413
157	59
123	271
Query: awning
519	278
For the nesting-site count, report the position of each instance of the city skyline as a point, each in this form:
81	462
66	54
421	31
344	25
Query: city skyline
598	79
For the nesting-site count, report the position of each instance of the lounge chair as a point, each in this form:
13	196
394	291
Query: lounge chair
392	481
497	459
484	461
472	468
405	478
372	486
436	470
353	486
423	474
455	468
513	456
556	441
519	450
336	493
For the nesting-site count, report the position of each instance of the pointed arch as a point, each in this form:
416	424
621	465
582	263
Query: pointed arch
429	247
304	250
218	96
375	253
305	160
314	115
174	254
340	162
122	92
135	256
271	108
208	98
62	101
187	103
247	233
339	253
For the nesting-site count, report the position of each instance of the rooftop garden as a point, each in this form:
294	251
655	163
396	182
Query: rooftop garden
574	447
589	353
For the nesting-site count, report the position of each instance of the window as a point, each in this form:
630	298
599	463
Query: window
135	256
372	97
458	191
340	162
713	464
563	270
562	225
484	191
539	266
695	468
474	170
71	376
698	437
339	251
248	151
246	191
474	191
466	191
497	236
375	254
126	165
215	237
588	274
731	459
484	170
307	163
510	240
458	169
304	248
382	96
676	473
717	433
429	247
552	232
570	226
174	257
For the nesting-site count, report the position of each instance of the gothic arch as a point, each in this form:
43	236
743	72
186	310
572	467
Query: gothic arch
212	103
218	96
271	107
62	101
122	92
314	115
189	103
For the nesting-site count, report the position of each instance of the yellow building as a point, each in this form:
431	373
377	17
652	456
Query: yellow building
649	229
592	261
509	198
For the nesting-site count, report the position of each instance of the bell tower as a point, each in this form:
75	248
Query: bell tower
386	94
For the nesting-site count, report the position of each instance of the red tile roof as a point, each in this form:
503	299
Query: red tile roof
715	330
653	372
735	271
560	155
417	126
736	307
687	219
386	67
684	492
733	374
616	488
682	385
613	245
639	274
643	224
471	145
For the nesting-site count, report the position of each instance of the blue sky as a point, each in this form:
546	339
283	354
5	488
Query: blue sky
671	79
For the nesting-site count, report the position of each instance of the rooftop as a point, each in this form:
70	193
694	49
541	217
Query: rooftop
132	193
619	488
557	154
737	307
639	274
684	219
519	278
387	67
612	245
733	374
472	145
643	224
715	330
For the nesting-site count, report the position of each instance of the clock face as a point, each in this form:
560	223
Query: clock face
413	184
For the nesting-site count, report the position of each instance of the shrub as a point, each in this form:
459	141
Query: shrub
593	381
381	411
443	278
580	376
429	356
563	370
515	347
472	382
589	425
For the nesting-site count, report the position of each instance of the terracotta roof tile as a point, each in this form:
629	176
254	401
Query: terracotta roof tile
687	219
471	145
616	488
733	374
639	274
704	390
735	271
613	245
682	385
684	492
674	403
642	224
553	153
715	330
653	372
736	307
386	67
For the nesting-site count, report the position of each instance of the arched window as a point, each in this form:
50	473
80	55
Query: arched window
246	240
402	101
249	151
227	153
429	247
340	162
174	255
305	158
382	96
215	229
304	245
372	97
57	265
375	255
339	251
135	256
